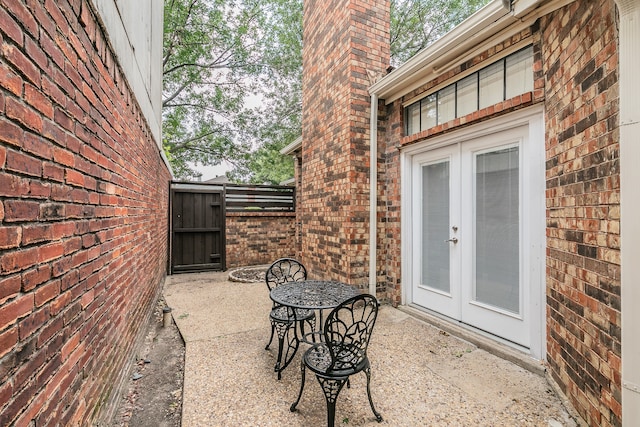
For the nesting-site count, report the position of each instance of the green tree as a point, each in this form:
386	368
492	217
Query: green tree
277	122
415	24
211	51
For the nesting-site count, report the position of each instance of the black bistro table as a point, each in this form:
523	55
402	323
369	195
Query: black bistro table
318	295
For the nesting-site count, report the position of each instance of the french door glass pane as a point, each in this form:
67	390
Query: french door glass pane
435	226
497	267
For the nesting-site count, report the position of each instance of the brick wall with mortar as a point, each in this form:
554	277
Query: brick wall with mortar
583	207
575	76
83	215
258	238
343	42
390	191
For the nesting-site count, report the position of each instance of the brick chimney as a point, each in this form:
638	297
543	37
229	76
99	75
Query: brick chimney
346	44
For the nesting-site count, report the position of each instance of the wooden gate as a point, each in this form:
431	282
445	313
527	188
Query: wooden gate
198	219
198	229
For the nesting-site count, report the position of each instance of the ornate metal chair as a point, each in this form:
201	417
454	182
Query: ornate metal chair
282	318
347	332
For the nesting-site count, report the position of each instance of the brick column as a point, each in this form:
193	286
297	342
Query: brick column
344	42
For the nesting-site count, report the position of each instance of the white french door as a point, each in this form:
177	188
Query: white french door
436	213
471	233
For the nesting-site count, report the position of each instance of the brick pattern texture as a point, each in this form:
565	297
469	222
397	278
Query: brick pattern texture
345	42
575	76
83	215
583	207
389	134
258	238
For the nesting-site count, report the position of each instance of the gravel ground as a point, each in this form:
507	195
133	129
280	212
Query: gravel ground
421	376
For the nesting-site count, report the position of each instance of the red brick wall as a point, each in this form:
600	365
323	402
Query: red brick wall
83	215
297	164
583	207
343	42
258	238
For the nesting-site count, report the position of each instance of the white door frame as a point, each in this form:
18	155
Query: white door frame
534	167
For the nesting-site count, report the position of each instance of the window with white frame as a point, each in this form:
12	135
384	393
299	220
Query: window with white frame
504	79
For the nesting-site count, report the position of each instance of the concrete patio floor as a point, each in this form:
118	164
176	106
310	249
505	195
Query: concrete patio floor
421	375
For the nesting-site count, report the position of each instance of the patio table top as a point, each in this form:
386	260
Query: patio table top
313	294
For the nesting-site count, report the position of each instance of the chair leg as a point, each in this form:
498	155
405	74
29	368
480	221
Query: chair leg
331	388
273	328
281	329
367	372
294	404
286	336
302	330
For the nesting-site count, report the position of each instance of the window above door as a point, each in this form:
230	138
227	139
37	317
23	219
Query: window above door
504	79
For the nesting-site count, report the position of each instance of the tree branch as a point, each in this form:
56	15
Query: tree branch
175	94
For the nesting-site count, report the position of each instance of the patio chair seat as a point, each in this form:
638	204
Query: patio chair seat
283	314
349	361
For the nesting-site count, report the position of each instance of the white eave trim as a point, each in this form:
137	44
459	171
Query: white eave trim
521	7
293	147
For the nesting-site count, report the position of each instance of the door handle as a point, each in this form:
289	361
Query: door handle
453	240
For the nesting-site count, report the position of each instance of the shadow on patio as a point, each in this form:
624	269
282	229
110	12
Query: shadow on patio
420	374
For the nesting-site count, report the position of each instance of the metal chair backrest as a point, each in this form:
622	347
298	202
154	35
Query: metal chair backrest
348	330
285	270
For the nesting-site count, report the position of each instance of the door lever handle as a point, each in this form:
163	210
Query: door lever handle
453	240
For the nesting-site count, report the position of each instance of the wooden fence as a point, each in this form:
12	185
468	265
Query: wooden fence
275	198
247	197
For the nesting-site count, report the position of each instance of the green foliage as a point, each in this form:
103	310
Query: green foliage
278	121
210	55
415	24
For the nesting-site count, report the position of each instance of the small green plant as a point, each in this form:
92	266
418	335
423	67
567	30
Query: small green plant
183	316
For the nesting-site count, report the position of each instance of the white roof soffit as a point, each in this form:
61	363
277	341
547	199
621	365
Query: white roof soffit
435	59
291	148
